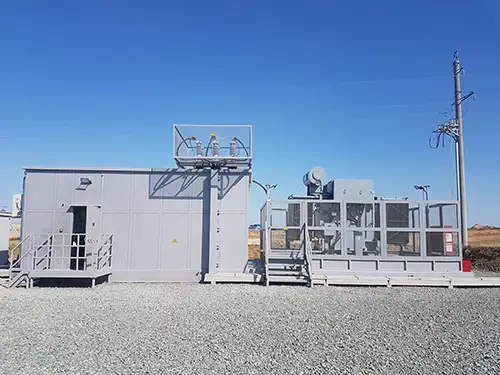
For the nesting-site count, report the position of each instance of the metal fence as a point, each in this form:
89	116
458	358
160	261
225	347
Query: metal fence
71	251
382	229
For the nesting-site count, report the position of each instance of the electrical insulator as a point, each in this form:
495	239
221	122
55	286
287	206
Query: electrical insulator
199	148
216	149
232	148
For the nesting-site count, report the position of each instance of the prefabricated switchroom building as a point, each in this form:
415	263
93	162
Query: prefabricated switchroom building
184	224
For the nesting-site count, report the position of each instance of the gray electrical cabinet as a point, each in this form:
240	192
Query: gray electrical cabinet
343	189
159	220
184	224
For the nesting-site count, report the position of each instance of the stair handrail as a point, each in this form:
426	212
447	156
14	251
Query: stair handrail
308	254
11	259
12	263
107	254
47	255
267	242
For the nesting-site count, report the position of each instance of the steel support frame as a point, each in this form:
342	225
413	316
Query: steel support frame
214	247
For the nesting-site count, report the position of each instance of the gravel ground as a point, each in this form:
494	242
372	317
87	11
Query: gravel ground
248	329
481	273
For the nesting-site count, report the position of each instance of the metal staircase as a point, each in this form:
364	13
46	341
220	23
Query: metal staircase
16	276
50	257
290	266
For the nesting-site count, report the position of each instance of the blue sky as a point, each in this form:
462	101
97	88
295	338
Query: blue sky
353	86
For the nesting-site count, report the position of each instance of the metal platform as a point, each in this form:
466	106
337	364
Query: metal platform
232	278
449	282
68	274
61	255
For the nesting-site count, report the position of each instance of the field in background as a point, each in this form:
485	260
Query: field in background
13	242
253	244
484	237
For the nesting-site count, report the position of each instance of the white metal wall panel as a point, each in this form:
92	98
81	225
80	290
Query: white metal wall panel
424	266
199	241
65	188
39	192
175	241
140	198
87	194
118	224
233	240
117	191
233	192
38	222
63	222
145	241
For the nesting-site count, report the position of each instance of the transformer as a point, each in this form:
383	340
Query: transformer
314	180
341	227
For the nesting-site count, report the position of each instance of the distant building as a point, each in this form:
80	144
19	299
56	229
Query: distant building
5	218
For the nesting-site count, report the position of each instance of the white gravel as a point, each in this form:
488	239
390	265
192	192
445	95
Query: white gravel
482	273
249	329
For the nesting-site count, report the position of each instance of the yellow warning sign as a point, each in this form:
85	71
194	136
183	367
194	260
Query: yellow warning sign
174	240
285	228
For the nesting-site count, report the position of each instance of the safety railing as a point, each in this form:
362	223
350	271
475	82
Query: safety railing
45	259
12	261
104	254
265	236
71	251
383	229
308	255
14	264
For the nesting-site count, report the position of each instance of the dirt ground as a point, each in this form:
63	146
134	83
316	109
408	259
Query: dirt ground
13	242
487	237
253	244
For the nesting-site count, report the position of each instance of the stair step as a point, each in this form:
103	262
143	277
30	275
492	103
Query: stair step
284	257
283	265
283	272
286	251
5	272
287	279
283	269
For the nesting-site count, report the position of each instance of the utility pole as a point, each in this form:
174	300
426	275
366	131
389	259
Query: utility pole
457	70
454	129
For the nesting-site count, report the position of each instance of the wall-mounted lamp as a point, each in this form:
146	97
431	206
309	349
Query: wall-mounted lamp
85	181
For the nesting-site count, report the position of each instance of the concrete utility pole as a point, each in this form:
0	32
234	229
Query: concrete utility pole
457	70
454	129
